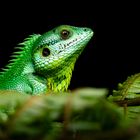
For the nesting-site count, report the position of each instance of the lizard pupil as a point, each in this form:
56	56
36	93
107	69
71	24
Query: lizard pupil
65	34
45	52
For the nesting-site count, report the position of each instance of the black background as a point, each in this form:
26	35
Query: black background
112	54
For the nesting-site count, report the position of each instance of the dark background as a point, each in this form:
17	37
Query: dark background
112	54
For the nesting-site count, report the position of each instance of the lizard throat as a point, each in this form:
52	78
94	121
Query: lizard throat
61	81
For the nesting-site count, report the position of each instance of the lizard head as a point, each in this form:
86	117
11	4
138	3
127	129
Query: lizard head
56	51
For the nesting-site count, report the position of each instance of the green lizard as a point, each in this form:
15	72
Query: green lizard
45	62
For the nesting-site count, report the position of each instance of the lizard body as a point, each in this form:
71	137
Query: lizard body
45	62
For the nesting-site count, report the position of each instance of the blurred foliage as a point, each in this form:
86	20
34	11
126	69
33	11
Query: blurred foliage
82	114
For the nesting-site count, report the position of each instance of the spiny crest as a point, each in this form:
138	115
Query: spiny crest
22	47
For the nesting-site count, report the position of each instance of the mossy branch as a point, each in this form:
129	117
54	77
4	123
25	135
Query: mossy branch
79	115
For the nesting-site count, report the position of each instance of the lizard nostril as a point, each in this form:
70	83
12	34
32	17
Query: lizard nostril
85	29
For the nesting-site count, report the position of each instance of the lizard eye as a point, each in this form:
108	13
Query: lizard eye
45	52
65	34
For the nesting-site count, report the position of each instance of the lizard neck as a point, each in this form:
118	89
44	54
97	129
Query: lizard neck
61	81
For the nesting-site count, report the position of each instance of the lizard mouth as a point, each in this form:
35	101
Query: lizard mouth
79	40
